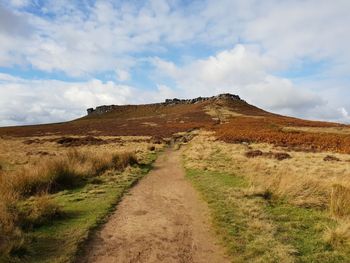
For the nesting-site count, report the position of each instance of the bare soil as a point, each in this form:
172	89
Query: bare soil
162	219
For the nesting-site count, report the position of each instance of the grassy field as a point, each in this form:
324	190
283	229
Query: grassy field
260	214
83	210
55	200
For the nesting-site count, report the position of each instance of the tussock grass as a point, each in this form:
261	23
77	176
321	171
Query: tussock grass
44	196
59	173
63	172
338	237
121	161
11	236
340	201
42	210
84	209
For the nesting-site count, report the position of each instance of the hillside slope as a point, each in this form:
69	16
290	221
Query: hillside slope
231	118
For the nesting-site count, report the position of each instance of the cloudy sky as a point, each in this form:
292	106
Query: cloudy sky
59	57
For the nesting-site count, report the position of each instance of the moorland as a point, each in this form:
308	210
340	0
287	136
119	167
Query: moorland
269	188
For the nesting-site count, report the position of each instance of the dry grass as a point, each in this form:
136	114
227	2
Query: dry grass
340	201
14	153
11	236
37	175
220	113
63	172
39	211
338	237
304	195
305	179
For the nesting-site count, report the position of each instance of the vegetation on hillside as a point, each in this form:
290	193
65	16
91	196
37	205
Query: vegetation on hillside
232	121
273	130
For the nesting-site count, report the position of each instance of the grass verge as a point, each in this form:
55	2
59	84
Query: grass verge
258	230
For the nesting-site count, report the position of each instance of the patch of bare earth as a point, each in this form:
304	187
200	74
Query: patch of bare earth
161	220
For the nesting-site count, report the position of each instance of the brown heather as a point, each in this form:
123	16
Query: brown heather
231	120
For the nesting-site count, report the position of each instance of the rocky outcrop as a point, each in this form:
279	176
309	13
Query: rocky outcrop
107	108
101	109
201	99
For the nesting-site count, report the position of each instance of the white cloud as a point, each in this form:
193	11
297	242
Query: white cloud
20	3
40	101
297	29
161	93
88	37
122	75
85	38
344	112
245	71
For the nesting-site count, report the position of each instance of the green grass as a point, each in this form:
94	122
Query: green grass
304	229
231	215
258	230
84	209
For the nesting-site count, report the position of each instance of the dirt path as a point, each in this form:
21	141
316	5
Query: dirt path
161	220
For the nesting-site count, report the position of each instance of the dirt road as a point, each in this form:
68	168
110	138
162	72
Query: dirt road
161	220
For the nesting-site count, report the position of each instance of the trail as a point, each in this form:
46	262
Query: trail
162	219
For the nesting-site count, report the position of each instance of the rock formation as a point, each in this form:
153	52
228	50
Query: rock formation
107	108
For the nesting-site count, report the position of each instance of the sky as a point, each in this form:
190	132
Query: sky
60	57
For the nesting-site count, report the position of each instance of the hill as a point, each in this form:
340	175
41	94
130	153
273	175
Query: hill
230	117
